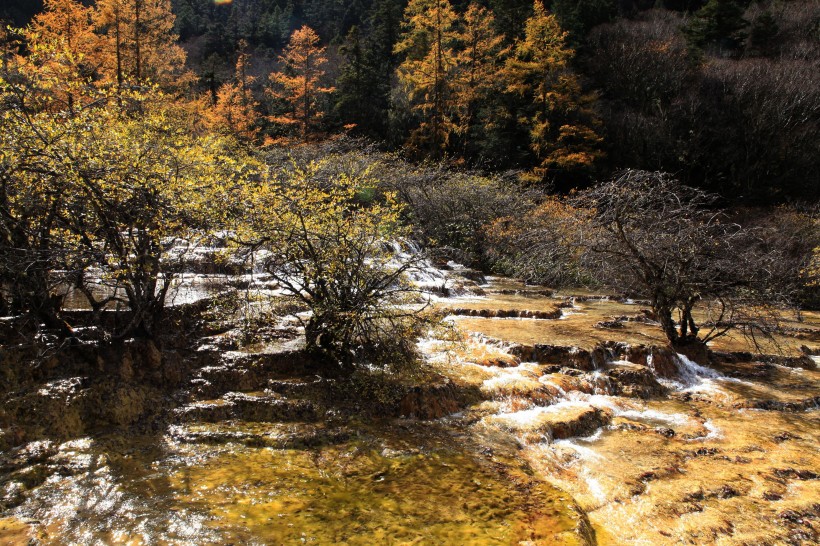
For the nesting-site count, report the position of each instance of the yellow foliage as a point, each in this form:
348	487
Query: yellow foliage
560	121
428	69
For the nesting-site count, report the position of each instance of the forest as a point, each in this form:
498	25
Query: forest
284	257
722	94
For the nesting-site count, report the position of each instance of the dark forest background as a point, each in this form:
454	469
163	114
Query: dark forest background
724	94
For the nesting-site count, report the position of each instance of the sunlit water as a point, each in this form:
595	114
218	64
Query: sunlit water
699	465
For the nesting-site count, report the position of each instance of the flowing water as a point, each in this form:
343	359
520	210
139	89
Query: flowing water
557	450
727	455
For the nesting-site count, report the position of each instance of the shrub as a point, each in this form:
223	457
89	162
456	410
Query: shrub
342	258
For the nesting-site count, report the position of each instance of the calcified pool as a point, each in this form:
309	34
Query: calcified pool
420	487
559	443
726	455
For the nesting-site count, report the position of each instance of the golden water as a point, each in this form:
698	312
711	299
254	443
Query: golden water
693	467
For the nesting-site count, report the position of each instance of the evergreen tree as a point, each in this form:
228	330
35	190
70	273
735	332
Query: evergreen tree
510	17
579	16
481	56
718	24
763	34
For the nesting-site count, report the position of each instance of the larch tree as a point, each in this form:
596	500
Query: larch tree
69	22
139	42
480	58
427	72
559	118
299	84
62	44
235	111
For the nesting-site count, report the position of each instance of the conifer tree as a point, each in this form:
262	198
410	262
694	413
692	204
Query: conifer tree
63	50
481	56
70	23
718	24
235	111
559	117
358	82
763	33
300	82
139	42
428	69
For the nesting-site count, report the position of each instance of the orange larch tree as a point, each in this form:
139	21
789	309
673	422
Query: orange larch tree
299	83
63	49
139	42
428	70
235	111
69	22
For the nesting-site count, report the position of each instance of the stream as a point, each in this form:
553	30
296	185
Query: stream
564	441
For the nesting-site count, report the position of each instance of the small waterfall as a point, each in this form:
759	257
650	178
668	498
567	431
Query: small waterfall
691	373
601	384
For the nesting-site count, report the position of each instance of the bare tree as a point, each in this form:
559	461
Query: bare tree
704	275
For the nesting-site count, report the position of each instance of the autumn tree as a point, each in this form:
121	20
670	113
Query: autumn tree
653	237
235	111
427	72
33	197
481	56
299	84
559	116
88	194
139	42
69	22
340	257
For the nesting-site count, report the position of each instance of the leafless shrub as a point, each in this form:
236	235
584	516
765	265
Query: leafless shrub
666	242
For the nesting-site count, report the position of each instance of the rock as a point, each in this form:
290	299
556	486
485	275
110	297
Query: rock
429	401
499	361
794	474
561	383
123	406
272	437
634	380
806	404
471	274
695	351
565	420
663	362
609	324
523	352
572	357
549	314
259	407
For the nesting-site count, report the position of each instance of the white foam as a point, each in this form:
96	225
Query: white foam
651	416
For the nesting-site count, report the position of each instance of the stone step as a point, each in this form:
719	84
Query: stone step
571	357
551	314
796	405
260	407
298	387
556	422
239	371
255	434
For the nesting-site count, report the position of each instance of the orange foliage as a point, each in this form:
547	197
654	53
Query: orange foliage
300	84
